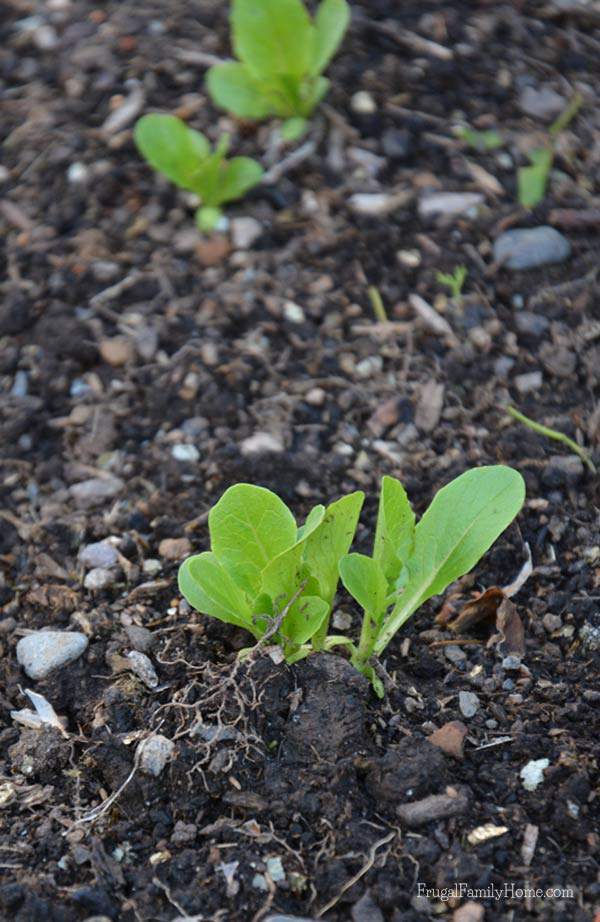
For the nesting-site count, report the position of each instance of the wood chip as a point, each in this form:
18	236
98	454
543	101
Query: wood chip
429	407
430	318
435	807
530	837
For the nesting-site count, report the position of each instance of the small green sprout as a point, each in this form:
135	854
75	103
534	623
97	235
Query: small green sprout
184	156
553	434
454	281
532	180
480	140
282	54
279	581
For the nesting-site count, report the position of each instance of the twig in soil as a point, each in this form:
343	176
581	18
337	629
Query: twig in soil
553	434
359	874
114	291
289	163
102	808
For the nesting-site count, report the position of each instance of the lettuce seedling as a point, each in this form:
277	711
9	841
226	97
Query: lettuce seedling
264	571
184	156
413	562
275	579
282	54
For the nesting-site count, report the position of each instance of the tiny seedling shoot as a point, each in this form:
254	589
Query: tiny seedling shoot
282	53
185	157
454	281
279	580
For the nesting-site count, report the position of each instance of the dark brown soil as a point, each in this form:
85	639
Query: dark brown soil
298	768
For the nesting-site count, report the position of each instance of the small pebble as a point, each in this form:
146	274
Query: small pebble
99	578
293	313
468	703
363	103
562	470
99	554
245	232
97	490
552	623
397	143
141	666
511	663
532	774
449	204
43	651
174	548
409	258
183	833
316	397
531	324
154	753
185	452
152	566
545	104
455	654
375	204
261	443
140	638
528	248
77	173
529	382
117	351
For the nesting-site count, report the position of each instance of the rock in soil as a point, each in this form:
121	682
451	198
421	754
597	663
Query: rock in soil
412	769
531	247
43	651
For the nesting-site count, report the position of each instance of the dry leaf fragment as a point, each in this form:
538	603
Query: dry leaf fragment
44	714
485	833
510	627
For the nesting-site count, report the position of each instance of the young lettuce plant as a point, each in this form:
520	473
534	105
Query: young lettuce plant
275	579
265	572
184	156
413	562
282	54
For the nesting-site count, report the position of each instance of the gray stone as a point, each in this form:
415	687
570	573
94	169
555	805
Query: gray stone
99	578
511	663
562	470
245	232
455	654
449	204
99	554
41	652
530	247
183	452
545	104
552	622
141	666
154	753
531	324
397	143
529	382
261	443
95	491
140	638
468	702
